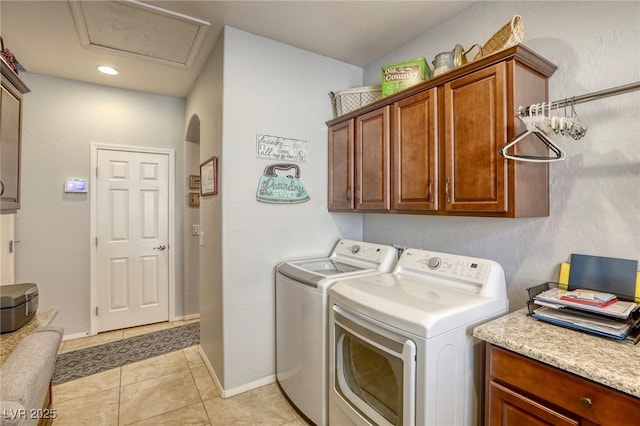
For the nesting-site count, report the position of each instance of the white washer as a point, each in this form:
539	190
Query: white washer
401	344
302	319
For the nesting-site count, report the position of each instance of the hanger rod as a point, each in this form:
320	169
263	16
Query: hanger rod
631	87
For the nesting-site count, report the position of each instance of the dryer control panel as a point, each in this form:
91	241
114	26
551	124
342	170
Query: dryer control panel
470	273
471	270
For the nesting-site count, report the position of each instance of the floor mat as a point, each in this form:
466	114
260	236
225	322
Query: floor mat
84	362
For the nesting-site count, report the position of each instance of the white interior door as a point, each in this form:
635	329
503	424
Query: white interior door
132	228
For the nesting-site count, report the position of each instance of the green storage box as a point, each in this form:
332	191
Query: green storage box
396	77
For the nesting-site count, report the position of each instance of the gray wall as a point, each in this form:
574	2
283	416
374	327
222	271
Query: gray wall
595	192
61	120
274	89
191	248
205	103
247	87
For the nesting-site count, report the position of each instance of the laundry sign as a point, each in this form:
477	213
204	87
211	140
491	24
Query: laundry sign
281	149
280	184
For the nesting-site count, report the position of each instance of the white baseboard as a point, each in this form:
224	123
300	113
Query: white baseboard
75	336
248	386
211	371
239	389
86	334
190	317
185	317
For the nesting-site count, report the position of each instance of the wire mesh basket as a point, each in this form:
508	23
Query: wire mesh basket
348	100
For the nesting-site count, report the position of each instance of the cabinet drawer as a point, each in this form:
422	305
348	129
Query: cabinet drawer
566	391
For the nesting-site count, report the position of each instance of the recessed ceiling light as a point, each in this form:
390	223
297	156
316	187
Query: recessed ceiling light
107	70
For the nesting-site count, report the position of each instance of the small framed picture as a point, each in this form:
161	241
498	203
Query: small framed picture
194	182
194	199
209	177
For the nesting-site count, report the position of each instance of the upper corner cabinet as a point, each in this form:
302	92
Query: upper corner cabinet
443	138
10	138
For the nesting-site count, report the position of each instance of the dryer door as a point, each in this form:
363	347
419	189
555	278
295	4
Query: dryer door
375	370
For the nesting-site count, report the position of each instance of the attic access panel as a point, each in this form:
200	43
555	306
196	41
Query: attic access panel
137	29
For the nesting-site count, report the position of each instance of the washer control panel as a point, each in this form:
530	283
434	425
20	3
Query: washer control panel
445	265
364	251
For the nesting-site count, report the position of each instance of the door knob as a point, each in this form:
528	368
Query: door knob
160	247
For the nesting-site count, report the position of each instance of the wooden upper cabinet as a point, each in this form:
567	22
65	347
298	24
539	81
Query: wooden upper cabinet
372	160
341	166
10	138
10	150
443	137
415	151
475	128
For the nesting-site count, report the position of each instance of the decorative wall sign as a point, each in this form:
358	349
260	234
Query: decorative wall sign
209	177
276	189
282	149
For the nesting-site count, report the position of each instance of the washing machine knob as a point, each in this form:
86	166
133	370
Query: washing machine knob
434	263
355	249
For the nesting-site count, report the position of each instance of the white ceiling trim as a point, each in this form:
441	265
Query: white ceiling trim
112	35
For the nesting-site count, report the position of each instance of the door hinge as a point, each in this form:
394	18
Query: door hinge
96	172
96	241
96	311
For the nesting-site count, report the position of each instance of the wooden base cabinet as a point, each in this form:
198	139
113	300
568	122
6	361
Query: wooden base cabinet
522	391
444	136
10	138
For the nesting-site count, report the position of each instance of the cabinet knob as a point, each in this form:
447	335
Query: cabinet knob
1	188
585	402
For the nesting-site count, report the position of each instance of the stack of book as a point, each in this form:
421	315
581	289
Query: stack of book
588	310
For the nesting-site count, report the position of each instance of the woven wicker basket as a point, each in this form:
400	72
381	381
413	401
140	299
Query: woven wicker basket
509	35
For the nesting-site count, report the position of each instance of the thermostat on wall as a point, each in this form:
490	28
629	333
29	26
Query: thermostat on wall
75	185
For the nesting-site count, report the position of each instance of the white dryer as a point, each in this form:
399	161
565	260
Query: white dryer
302	319
401	344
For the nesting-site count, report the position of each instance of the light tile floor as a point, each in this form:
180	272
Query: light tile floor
171	389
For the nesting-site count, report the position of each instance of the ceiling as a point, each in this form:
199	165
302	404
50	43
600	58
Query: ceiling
160	46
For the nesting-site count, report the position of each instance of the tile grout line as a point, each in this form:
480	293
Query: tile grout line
120	372
198	389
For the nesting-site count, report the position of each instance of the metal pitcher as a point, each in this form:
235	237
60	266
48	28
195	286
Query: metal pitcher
442	63
460	55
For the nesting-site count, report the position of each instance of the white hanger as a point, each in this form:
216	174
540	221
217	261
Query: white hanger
531	123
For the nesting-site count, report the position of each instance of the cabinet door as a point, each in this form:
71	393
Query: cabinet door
9	150
509	408
475	127
372	160
341	161
415	152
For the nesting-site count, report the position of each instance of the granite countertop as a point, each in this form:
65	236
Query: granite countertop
606	361
8	341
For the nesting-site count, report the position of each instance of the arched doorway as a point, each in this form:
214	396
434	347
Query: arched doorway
191	259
